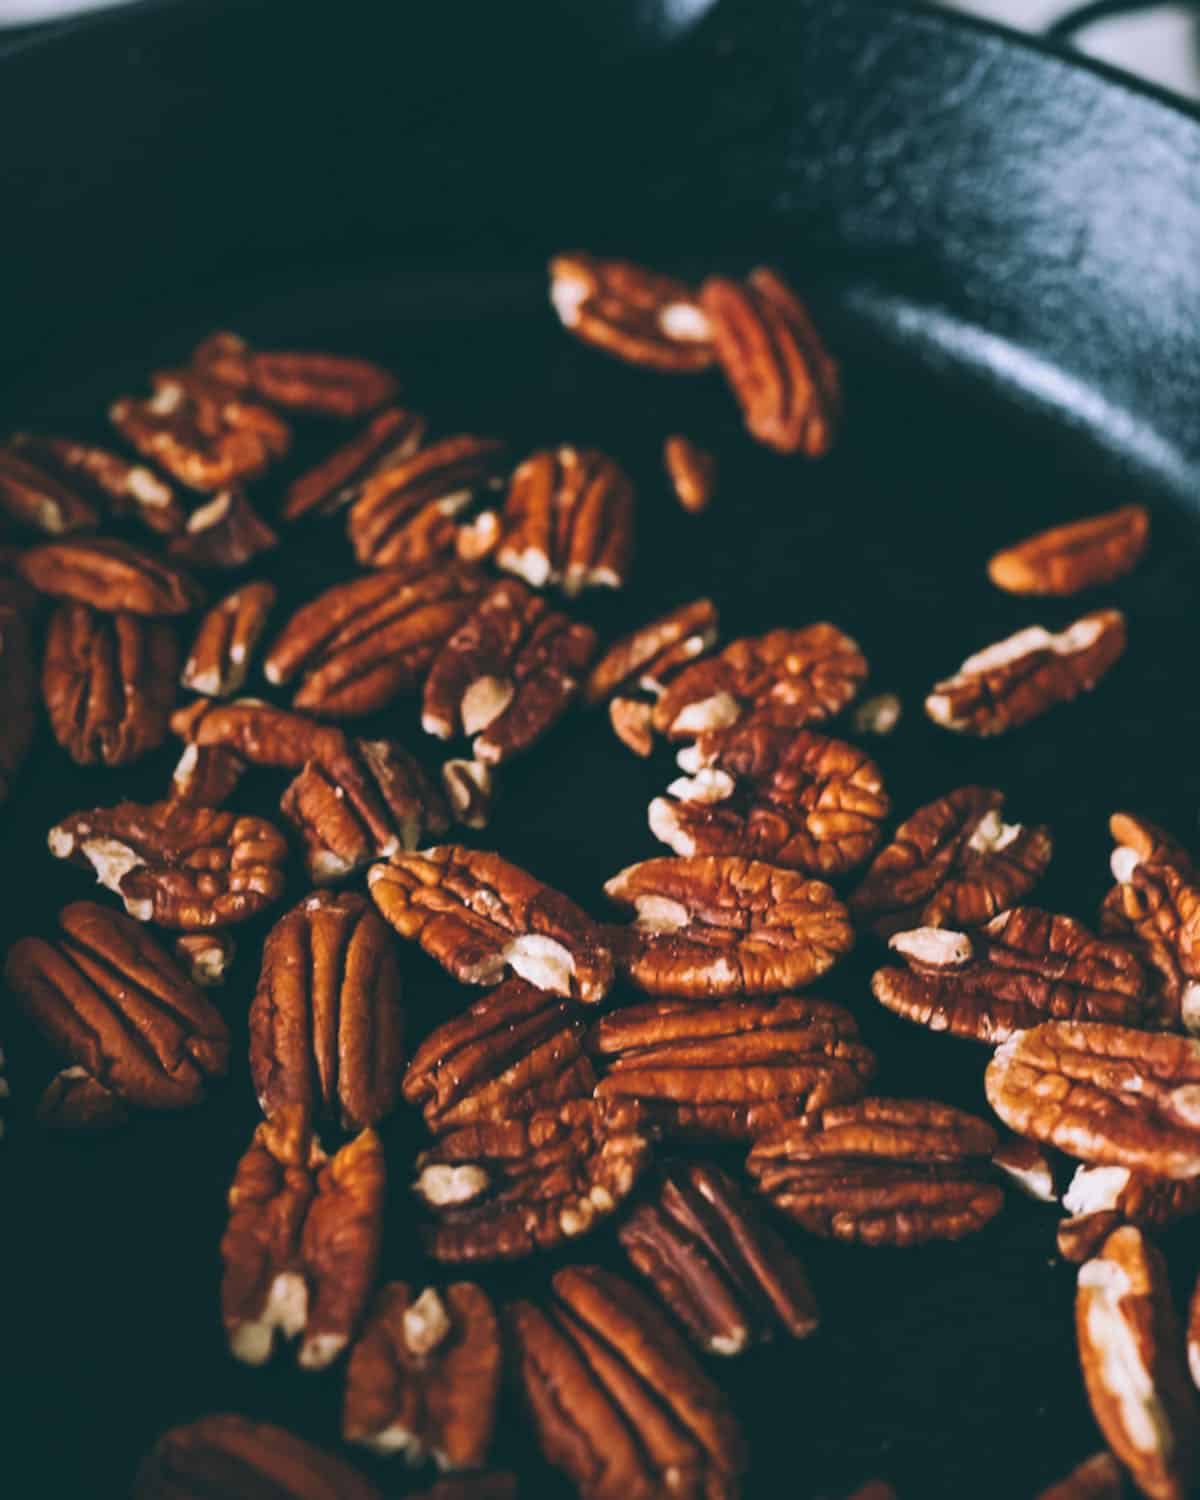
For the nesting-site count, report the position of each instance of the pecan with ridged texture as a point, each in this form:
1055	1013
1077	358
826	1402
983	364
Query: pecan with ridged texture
1100	1477
228	635
648	657
224	532
953	863
1016	680
775	361
1099	1199
207	956
108	683
337	481
716	926
470	791
111	576
327	385
205	775
18	693
1028	1168
178	865
73	1100
106	480
692	472
259	734
477	915
505	1189
731	1070
326	1024
115	1004
31	497
1079	555
641	316
617	1400
424	1376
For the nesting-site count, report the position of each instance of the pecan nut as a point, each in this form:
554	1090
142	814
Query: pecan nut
469	791
205	775
110	576
641	316
18	693
1028	1168
337	481
692	472
631	720
31	497
648	657
225	532
1067	559
227	638
74	1100
327	385
105	479
1100	1199
207	956
259	734
1100	1477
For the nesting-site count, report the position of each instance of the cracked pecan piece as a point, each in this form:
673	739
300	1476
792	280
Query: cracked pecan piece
1028	1168
18	693
631	721
692	472
1100	1477
477	914
727	1277
31	497
732	1070
1100	1199
177	865
390	437
505	1189
1067	559
881	1172
108	998
787	796
719	926
618	1401
953	863
110	576
470	791
225	532
106	480
424	1376
327	385
1020	678
640	316
226	640
108	683
207	956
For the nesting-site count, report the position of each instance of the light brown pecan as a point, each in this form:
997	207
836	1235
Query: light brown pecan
106	480
1100	1199
110	999
328	385
727	1277
732	1070
1131	1353
1027	1167
1105	1094
175	864
692	472
1097	1478
469	791
110	576
641	316
631	723
516	1050
225	532
208	956
719	926
777	366
1016	680
32	497
477	914
787	677
258	734
326	1025
617	1400
228	635
18	693
108	683
881	1172
424	1376
337	481
1079	555
74	1100
647	658
953	863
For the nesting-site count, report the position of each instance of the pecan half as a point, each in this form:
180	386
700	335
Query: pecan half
721	926
777	366
29	496
110	576
328	385
692	472
219	661
18	693
953	863
105	479
74	1100
225	532
208	956
1080	555
881	1172
110	999
1019	678
476	914
1100	1477
175	864
641	316
424	1376
469	791
649	656
259	734
734	1070
337	481
1100	1199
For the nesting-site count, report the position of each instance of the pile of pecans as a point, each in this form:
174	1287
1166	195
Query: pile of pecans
548	1100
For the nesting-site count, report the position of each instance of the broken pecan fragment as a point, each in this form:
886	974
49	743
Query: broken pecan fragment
640	316
1066	559
219	661
106	479
110	576
1027	1167
328	385
74	1100
631	723
469	791
29	496
476	913
226	532
720	926
1012	682
692	472
881	1172
1097	1478
18	693
1100	1199
649	656
337	481
208	956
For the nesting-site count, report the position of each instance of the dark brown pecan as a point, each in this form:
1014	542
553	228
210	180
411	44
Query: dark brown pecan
777	366
647	658
205	775
476	914
1017	679
1028	1168
328	385
219	661
732	1070
326	1026
1097	1478
18	693
1080	1237
954	863
74	1100
337	481
617	1400
881	1171
640	316
226	532
110	576
507	674
469	791
208	956
505	1189
108	683
692	472
259	734
631	723
111	1000
721	926
516	1050
106	479
424	1376
1079	555
727	1277
32	497
175	864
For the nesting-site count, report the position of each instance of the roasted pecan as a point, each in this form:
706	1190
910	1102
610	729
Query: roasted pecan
329	385
501	1190
631	723
648	657
721	926
617	1400
175	864
1079	555
953	863
106	479
1131	1352
1027	1167
110	576
877	715
30	496
640	316
112	1001
108	682
476	914
207	956
1100	1199
424	1375
326	1027
74	1100
727	1277
777	366
692	472
229	633
881	1171
18	693
732	1070
337	481
1019	678
1097	1478
469	791
1104	1094
226	532
205	775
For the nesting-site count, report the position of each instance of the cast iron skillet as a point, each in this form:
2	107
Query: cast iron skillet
1003	247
